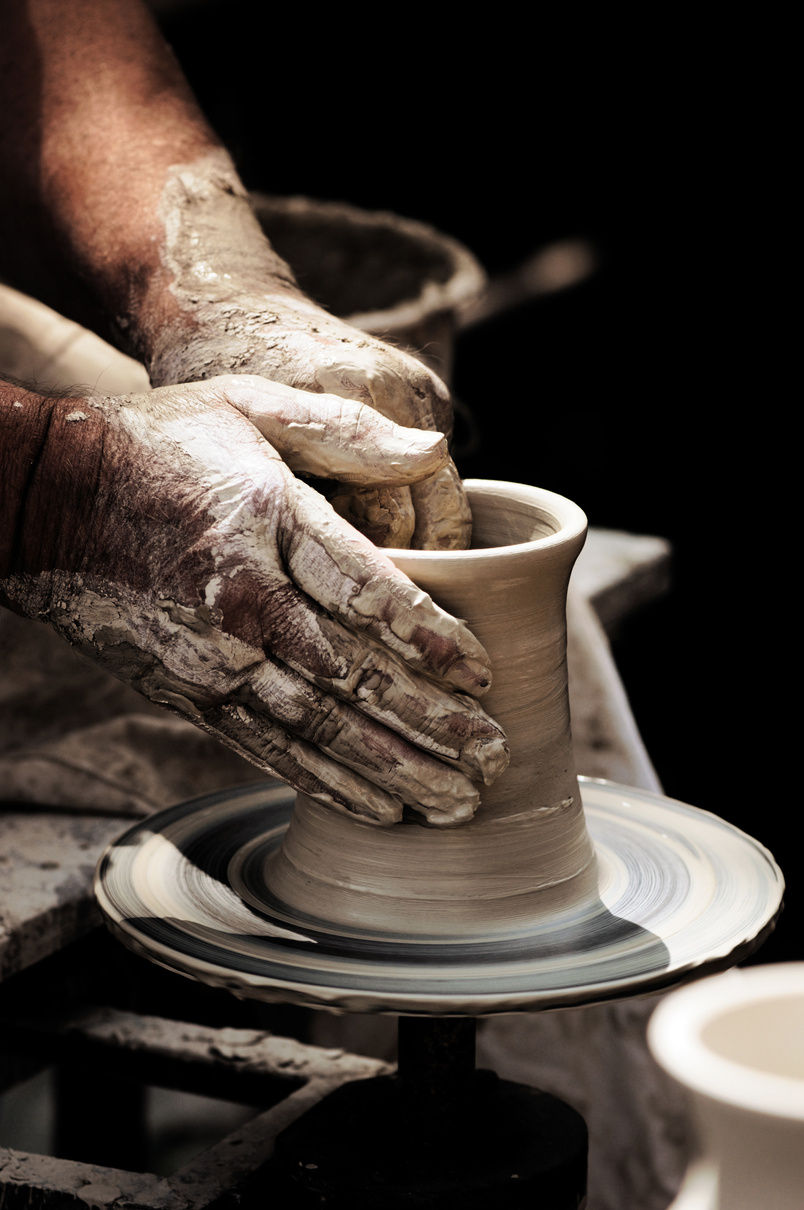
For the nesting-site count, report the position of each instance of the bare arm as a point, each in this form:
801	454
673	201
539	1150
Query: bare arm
96	111
127	214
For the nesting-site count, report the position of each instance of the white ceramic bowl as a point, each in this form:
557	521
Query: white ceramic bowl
735	1043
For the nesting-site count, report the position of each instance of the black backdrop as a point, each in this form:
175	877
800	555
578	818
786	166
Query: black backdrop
630	393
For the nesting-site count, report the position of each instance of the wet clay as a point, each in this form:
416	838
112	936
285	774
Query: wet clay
527	850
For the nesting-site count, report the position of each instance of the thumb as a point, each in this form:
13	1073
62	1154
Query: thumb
334	438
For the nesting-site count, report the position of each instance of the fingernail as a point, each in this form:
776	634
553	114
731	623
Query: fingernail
419	442
491	756
457	814
471	675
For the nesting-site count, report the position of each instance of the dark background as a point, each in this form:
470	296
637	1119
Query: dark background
633	393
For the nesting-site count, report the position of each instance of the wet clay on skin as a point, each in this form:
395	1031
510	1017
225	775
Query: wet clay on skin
243	313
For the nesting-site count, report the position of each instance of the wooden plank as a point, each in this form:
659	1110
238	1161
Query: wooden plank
33	1182
47	863
39	1182
249	1066
618	573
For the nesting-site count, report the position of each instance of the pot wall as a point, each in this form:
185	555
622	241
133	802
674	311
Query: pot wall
527	850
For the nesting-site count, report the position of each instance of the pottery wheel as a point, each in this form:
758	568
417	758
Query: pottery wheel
681	893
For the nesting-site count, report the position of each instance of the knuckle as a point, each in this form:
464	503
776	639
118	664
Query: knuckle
324	723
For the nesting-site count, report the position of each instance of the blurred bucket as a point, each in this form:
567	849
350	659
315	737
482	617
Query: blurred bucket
393	277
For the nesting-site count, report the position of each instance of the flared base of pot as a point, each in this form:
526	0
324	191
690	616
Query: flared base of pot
679	893
492	876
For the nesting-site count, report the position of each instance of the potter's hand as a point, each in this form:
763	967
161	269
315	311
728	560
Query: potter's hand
122	210
235	308
165	538
285	337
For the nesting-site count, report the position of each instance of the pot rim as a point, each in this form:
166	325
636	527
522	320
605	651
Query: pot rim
571	520
676	1036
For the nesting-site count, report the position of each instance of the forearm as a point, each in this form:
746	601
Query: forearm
37	485
99	122
121	209
24	423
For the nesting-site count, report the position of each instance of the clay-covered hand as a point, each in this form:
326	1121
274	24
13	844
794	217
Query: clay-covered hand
167	538
299	344
127	213
234	307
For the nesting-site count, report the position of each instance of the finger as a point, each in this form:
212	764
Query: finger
441	509
335	438
305	768
354	581
291	725
362	672
440	792
357	669
384	515
405	391
391	381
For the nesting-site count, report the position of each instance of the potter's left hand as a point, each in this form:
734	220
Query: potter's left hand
233	306
251	326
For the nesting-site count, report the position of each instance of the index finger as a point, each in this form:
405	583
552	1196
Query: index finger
354	581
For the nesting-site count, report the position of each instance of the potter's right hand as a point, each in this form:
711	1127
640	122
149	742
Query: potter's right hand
164	536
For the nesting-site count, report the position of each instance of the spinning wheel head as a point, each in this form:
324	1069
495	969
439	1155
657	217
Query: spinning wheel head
680	893
542	901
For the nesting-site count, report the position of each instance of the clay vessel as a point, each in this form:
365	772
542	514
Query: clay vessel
527	853
735	1044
